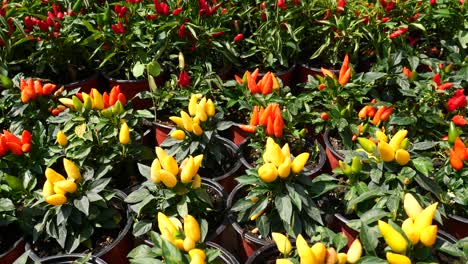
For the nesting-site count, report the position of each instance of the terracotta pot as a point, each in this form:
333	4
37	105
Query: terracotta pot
250	243
312	168
456	226
214	232
333	156
16	250
235	134
85	85
116	252
339	223
69	259
161	132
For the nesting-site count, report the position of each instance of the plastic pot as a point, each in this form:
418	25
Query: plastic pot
69	259
235	134
250	243
264	254
213	232
309	170
333	156
227	179
116	252
456	226
225	256
161	132
85	85
14	252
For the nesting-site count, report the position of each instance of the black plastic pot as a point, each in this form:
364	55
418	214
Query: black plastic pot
264	254
14	252
227	179
69	259
86	84
116	252
456	226
309	170
225	256
213	232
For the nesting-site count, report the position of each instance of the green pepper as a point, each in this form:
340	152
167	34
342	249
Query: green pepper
347	170
367	144
356	165
107	113
404	144
77	103
452	133
117	109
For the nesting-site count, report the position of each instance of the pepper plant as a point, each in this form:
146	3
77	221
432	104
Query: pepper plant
77	207
172	188
278	197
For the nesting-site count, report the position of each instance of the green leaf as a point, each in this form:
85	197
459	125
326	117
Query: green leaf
371	260
142	227
369	239
340	241
154	69
6	205
82	204
138	70
423	165
363	197
144	170
373	215
171	253
284	206
424	145
13	182
137	196
428	184
295	197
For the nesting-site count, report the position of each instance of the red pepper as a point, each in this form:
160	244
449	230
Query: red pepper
398	33
278	125
386	114
436	79
445	86
455	161
239	37
121	97
26	137
459	120
324	116
270	129
181	32
177	11
247	128
217	34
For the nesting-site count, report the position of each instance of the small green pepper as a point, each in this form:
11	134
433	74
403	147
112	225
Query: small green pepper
452	133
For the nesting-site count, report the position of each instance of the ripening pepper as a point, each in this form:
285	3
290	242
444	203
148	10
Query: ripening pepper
98	102
397	139
124	134
303	250
356	165
452	133
282	243
408	227
345	168
320	251
428	235
367	144
178	134
387	153
155	168
424	219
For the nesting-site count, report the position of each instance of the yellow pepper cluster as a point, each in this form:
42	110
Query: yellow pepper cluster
278	162
190	122
395	149
417	228
56	186
183	237
318	253
166	170
109	104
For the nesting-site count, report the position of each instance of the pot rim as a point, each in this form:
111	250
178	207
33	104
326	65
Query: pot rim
119	194
93	76
107	77
16	244
93	259
326	141
225	254
320	164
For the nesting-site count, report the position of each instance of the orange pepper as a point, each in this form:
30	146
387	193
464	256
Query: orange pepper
344	66
455	160
278	125
460	149
247	128
378	114
264	116
254	118
255	74
345	77
386	114
268	84
363	112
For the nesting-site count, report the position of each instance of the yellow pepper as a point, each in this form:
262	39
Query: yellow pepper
428	235
412	234
268	172
299	162
282	242
155	168
62	139
424	219
397	139
320	251
210	108
72	170
66	185
411	206
387	153
192	228
285	168
197	130
53	176
178	134
124	134
393	258
47	189
170	164
305	253
192	106
402	157
87	102
188	171
167	178
177	120
354	252
56	199
393	238
342	258
187	121
98	102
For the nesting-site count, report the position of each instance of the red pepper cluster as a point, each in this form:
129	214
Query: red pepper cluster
205	9
458	100
120	10
118	28
177	11
133	1
281	4
270	117
440	85
388	6
161	7
10	142
31	89
341	6
184	79
52	21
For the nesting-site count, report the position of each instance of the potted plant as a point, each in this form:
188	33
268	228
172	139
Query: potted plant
177	189
102	131
86	215
197	133
276	197
180	243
